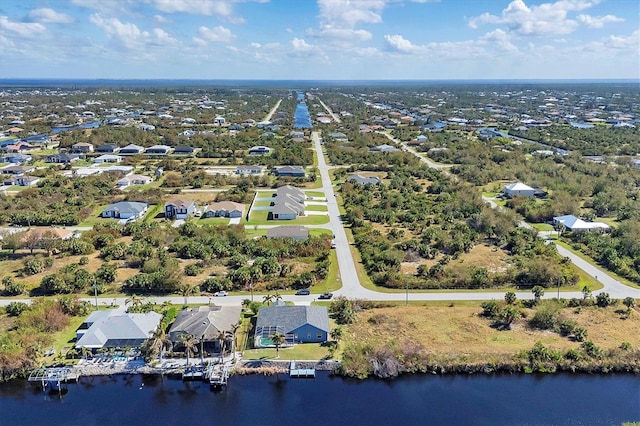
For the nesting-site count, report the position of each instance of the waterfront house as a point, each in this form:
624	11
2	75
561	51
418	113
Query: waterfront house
108	149
249	170
291	171
298	324
519	189
114	328
125	210
298	233
133	179
179	209
131	149
107	158
82	147
224	209
205	323
575	224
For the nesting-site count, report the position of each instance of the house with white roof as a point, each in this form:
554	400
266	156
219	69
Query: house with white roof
575	224
125	210
107	158
519	189
114	328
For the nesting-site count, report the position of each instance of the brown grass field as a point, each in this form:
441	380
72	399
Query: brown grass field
461	331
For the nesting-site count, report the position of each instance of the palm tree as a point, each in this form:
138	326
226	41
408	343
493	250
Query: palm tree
268	298
187	290
158	342
336	334
234	330
190	343
136	301
278	340
538	292
84	351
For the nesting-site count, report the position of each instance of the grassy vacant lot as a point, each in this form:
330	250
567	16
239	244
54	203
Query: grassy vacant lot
461	332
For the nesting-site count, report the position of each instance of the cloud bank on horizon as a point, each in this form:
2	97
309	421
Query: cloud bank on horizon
320	39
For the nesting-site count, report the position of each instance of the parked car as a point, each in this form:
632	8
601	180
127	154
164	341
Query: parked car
303	292
220	293
325	296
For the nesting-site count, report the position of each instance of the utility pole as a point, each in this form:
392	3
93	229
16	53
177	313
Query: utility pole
95	291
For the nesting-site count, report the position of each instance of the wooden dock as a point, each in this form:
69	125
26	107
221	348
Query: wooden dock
301	372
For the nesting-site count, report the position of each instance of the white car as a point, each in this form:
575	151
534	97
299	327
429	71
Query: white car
220	293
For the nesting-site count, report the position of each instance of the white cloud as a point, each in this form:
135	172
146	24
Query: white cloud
334	33
106	6
216	34
501	40
20	29
352	12
48	16
598	21
161	19
542	20
129	35
397	43
221	8
300	48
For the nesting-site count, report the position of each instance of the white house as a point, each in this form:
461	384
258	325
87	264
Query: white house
219	120
575	224
519	189
107	158
133	180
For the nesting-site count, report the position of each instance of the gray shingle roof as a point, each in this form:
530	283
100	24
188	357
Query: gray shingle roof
204	321
120	329
293	317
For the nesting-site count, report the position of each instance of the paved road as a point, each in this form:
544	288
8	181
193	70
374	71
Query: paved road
273	111
351	286
335	117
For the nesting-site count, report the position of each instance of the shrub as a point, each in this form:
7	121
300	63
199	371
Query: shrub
83	260
603	300
580	333
510	297
546	316
625	346
192	270
590	349
14	309
573	354
490	308
15	289
33	266
567	327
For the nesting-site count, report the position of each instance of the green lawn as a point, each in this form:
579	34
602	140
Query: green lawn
265	203
260	218
94	217
213	221
304	351
542	226
317	208
315	194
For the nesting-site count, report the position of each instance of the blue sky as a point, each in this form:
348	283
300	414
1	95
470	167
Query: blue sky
320	39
